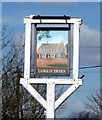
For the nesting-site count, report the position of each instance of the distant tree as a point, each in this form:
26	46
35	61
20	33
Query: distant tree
83	115
17	103
93	109
95	105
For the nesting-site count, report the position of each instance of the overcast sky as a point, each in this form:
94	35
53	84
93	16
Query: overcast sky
13	14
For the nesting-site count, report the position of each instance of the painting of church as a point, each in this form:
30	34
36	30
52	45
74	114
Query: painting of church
49	50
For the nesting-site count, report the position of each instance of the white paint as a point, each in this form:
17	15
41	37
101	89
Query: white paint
50	88
34	93
47	81
27	50
50	104
66	94
47	21
50	100
75	51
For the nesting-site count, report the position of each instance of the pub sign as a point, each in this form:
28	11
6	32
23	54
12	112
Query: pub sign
53	54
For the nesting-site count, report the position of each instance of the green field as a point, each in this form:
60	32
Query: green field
58	65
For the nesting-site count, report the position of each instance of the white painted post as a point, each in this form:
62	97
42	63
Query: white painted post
27	50
50	100
76	50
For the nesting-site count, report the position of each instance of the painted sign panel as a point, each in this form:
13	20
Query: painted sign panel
53	54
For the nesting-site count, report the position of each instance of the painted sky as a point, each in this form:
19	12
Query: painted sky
56	37
13	14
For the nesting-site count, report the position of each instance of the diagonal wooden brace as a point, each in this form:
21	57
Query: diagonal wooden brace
34	93
66	94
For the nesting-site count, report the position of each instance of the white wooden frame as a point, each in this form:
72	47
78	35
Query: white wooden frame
50	104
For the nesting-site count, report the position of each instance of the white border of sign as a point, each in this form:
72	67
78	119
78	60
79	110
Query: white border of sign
50	104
